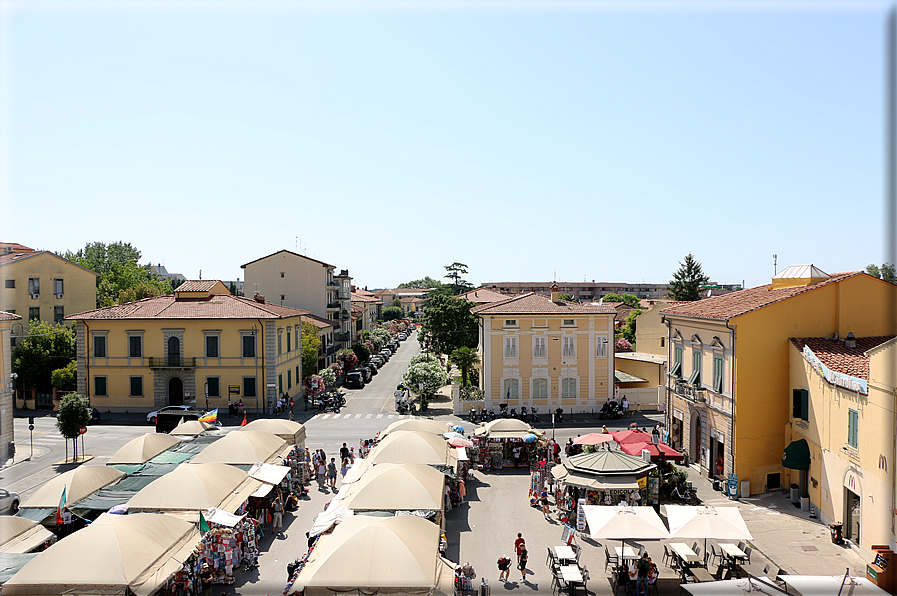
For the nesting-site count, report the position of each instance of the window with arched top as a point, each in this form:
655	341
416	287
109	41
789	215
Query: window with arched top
174	351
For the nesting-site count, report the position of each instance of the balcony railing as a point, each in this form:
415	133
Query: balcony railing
333	305
689	391
172	362
343	295
334	284
341	336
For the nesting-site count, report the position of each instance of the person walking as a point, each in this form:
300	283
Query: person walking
277	522
543	497
343	452
519	546
344	467
504	568
521	565
322	472
331	473
644	569
205	577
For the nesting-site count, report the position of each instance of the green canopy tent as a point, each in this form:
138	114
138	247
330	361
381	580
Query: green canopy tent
797	455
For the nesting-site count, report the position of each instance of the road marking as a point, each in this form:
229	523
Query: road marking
369	416
379	415
357	415
325	416
335	416
390	416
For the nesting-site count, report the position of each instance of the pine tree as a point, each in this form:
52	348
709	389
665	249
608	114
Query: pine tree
687	281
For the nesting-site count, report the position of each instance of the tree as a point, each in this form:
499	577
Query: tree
628	329
622	345
424	378
420	284
66	378
454	273
72	415
627	299
311	346
328	377
118	268
567	298
464	358
391	313
362	352
687	280
885	272
450	324
47	347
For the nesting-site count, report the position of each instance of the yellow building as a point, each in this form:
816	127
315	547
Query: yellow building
842	429
545	352
40	285
200	346
7	384
728	380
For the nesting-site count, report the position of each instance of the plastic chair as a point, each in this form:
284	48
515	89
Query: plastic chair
667	557
715	555
748	551
608	559
550	557
557	583
741	545
697	550
585	578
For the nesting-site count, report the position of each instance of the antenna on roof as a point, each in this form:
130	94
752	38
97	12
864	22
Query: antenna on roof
774	267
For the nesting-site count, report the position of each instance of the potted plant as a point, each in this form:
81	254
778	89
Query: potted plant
795	493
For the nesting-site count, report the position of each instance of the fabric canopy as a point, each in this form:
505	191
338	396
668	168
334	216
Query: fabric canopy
598	482
826	585
415	425
624	523
632	435
459	442
247	448
291	432
19	535
593	439
659	451
78	483
143	448
734	587
196	487
192	427
397	487
222	518
797	455
506	428
114	554
393	555
269	473
402	447
719	523
10	563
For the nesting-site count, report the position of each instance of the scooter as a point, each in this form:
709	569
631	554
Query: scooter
513	413
523	413
473	415
503	410
485	415
533	416
559	414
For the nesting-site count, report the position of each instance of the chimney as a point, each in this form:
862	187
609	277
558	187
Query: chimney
850	341
259	298
555	293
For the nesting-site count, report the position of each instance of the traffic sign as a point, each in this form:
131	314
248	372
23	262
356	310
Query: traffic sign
82	430
30	427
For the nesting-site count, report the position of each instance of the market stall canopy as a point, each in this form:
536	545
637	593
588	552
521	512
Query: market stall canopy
143	448
659	451
196	487
625	523
20	535
416	425
10	563
268	473
403	447
390	487
192	427
607	461
114	554
735	587
719	523
291	432
824	585
507	428
595	482
244	448
594	439
797	455
461	442
78	483
393	555
632	435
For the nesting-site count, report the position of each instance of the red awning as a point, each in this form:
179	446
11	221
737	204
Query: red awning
659	451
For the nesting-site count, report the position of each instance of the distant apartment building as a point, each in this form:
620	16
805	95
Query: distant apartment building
588	291
162	273
7	385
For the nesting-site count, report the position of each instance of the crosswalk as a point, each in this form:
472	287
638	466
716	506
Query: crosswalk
355	416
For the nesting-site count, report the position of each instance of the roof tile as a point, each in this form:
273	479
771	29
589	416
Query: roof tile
838	357
532	303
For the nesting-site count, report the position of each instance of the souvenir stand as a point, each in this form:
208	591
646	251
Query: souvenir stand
507	443
606	476
464	580
232	540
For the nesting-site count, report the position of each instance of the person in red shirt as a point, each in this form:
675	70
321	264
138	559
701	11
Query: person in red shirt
519	546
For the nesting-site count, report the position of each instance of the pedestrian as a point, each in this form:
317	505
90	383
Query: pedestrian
519	546
543	497
331	473
343	452
344	467
277	523
462	488
351	455
643	570
521	565
504	568
322	473
310	539
604	430
624	403
205	577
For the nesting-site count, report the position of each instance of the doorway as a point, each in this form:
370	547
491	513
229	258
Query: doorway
694	448
174	351
852	527
717	460
175	392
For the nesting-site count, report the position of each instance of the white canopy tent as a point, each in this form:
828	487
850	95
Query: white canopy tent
79	484
291	432
719	523
21	535
194	488
244	448
143	448
622	523
831	585
734	587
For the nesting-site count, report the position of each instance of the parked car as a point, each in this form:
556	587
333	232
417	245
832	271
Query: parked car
151	417
385	353
402	337
9	502
378	360
364	371
355	380
371	367
393	346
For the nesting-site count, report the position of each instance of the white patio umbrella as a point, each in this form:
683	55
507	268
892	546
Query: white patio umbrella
623	522
733	587
719	523
825	585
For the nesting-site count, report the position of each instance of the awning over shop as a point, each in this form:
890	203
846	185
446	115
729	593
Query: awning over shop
797	455
10	563
20	535
622	377
627	482
37	514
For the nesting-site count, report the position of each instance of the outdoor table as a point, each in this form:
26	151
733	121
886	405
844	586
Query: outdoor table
684	553
731	551
625	552
702	575
564	554
572	575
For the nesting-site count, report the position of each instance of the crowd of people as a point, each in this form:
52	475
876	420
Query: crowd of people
325	472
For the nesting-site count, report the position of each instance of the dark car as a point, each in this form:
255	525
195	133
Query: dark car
364	371
371	367
355	379
94	415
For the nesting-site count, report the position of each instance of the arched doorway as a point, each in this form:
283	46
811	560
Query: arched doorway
694	444
174	351
175	392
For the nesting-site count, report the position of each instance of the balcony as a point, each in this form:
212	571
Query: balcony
333	284
343	295
341	337
333	306
344	316
690	392
172	362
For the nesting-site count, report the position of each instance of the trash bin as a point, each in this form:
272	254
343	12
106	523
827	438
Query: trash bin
717	485
837	537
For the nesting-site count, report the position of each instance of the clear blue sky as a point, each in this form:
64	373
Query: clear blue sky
582	140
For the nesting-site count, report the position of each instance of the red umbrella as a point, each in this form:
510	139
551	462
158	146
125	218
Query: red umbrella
459	442
632	436
593	439
661	450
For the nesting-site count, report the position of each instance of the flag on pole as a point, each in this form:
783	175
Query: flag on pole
210	417
244	420
203	524
60	507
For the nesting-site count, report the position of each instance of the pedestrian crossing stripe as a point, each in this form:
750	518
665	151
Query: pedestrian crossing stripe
379	415
369	416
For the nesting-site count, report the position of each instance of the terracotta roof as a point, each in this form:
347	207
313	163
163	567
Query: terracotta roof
358	308
742	302
14	247
319	322
838	357
483	296
410	299
216	306
361	292
537	304
356	297
21	256
197	285
289	252
382	291
8	316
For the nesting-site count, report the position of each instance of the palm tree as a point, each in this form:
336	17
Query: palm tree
464	358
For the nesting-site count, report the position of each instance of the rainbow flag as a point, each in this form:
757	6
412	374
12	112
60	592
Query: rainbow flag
210	417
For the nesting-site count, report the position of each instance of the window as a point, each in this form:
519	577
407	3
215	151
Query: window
540	388
289	379
511	389
99	346
249	387
249	347
297	375
136	386
34	313
58	313
280	383
717	374
510	347
99	387
538	347
289	339
510	322
569	347
280	341
34	285
57	286
601	346
10	283
800	404
662	341
695	378
568	387
213	386
135	346
569	323
282	274
211	346
853	428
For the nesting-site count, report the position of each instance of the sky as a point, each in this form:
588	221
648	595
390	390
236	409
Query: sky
530	141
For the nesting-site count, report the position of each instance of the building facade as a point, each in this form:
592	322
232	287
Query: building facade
535	351
7	385
580	290
201	346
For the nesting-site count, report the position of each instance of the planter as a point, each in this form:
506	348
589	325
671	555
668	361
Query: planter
795	495
30	403
20	402
805	503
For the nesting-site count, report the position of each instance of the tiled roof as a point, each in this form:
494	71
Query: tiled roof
319	322
217	306
742	302
197	285
21	256
14	246
358	308
410	299
838	357
356	297
536	304
483	296
289	252
8	316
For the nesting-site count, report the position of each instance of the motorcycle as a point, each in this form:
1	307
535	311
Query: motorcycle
559	415
484	415
523	413
610	410
503	410
513	413
533	416
473	415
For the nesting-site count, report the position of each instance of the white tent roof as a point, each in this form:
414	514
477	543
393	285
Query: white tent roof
79	484
397	487
291	432
824	585
624	523
246	448
415	425
196	487
191	428
143	448
733	587
21	535
719	523
506	427
113	554
412	447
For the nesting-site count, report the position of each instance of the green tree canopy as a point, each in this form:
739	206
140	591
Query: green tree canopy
464	358
311	346
361	352
627	299
454	273
390	313
687	280
420	284
628	329
47	347
885	272
450	324
328	376
72	415
424	378
567	297
119	272
66	378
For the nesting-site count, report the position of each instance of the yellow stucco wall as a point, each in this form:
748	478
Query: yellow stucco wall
79	287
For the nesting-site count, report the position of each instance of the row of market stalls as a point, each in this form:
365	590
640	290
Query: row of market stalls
161	507
387	519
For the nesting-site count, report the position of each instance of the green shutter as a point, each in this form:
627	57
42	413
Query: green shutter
805	405
796	402
853	428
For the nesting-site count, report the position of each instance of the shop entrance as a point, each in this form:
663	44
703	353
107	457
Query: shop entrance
717	460
694	447
852	527
175	392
